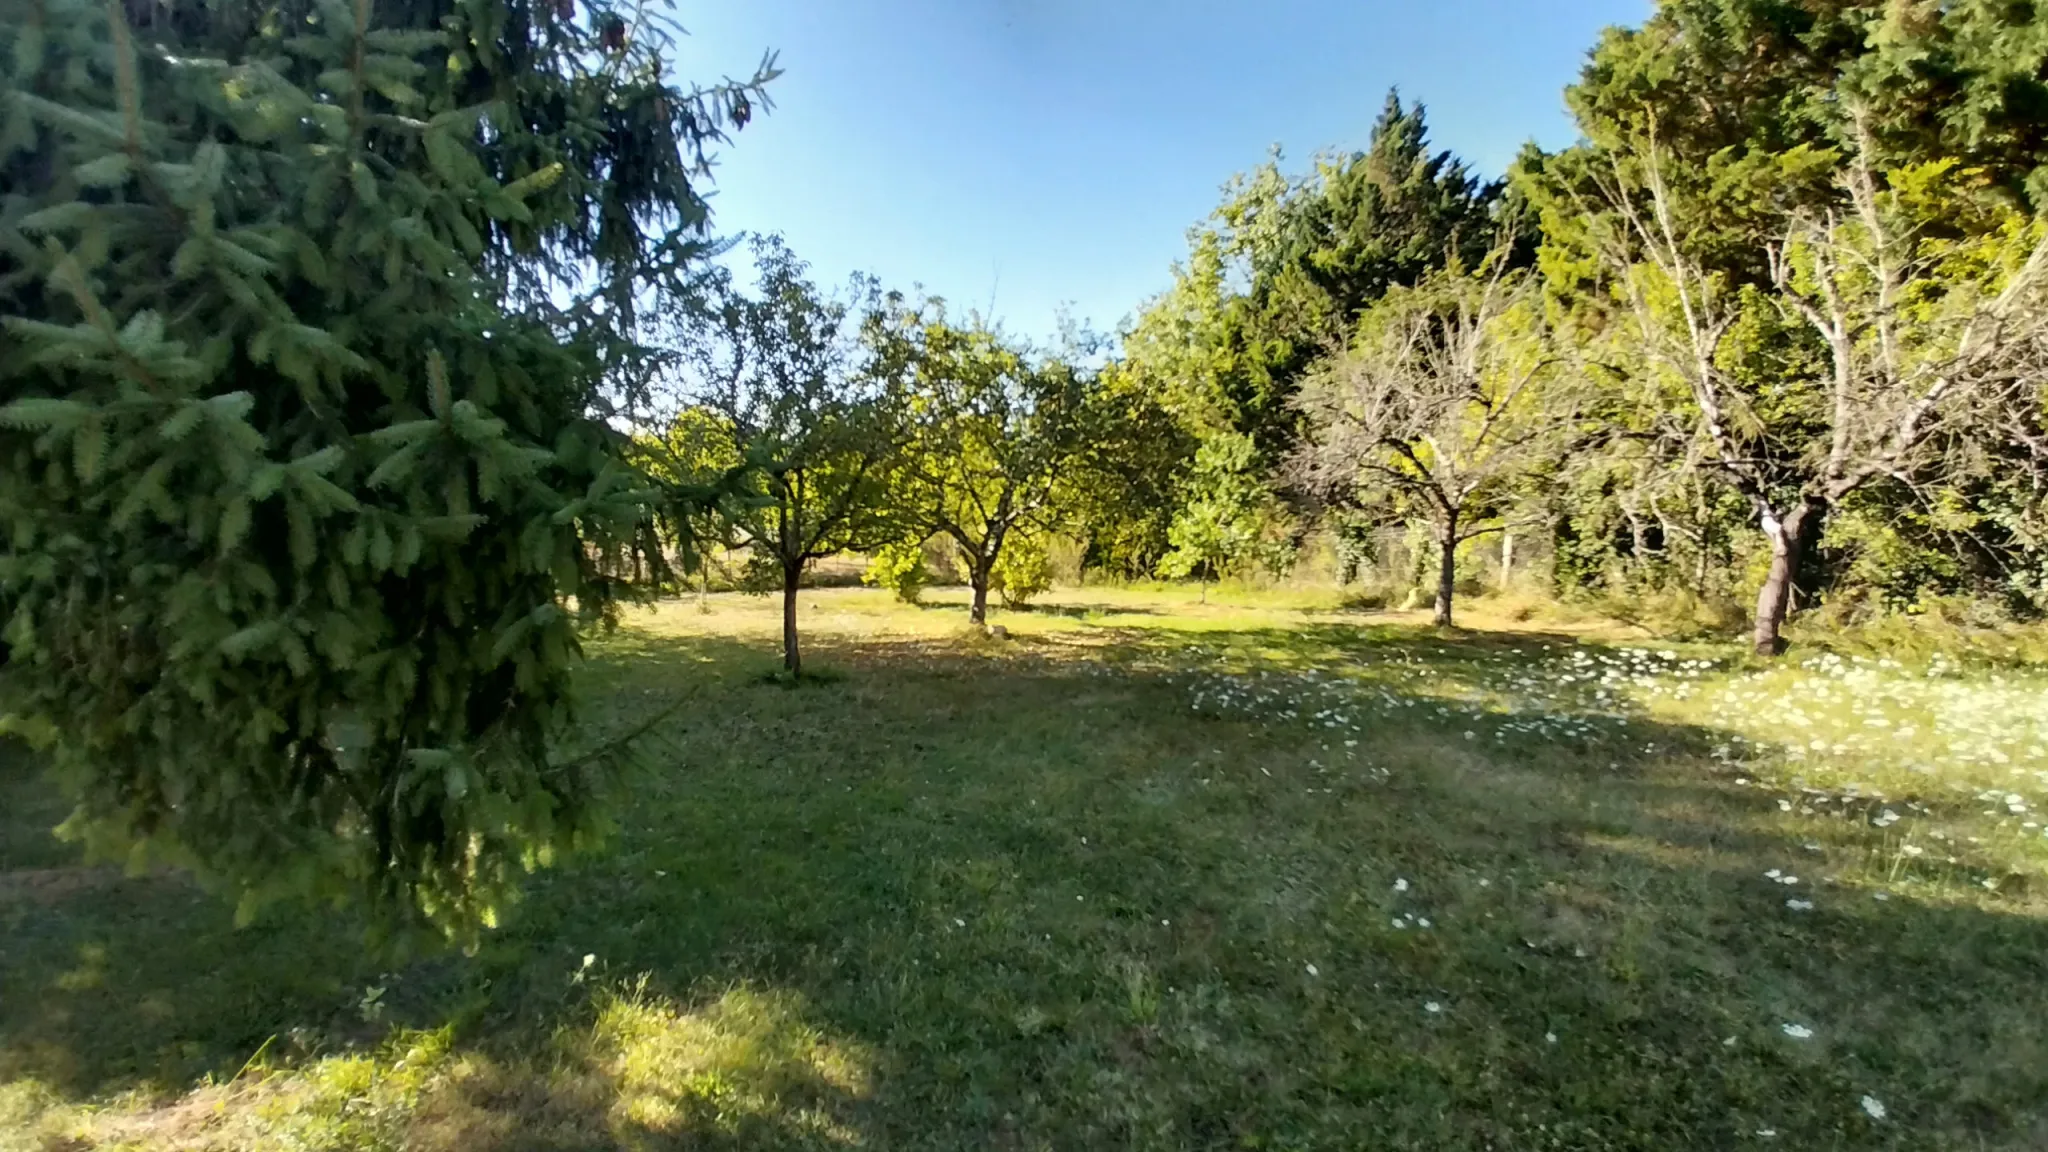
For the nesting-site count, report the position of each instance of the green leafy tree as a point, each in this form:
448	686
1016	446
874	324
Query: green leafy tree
898	565
307	484
1221	525
1446	406
996	436
701	469
794	385
1122	498
1935	79
1362	224
1024	571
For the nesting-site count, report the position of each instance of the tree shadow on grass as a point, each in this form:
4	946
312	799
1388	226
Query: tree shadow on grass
1080	611
1370	641
1008	898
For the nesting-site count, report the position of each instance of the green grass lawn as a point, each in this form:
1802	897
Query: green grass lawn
1150	874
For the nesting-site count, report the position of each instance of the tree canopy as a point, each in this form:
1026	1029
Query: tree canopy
1787	277
794	381
997	434
1446	409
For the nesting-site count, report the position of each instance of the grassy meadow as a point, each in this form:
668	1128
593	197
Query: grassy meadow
1149	873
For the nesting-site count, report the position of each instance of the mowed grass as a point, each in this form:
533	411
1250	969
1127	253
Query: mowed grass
1153	874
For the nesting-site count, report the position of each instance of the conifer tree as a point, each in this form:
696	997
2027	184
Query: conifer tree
303	460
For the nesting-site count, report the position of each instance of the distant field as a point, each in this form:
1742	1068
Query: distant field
1148	874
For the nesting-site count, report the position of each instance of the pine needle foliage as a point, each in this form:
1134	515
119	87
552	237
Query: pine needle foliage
304	466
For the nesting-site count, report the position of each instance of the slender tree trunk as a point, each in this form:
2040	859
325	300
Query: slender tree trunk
984	568
1774	599
1638	550
978	579
704	584
1446	572
1507	560
792	655
1703	516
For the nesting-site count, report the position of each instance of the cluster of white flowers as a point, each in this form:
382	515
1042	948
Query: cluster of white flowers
1578	694
1873	709
1819	721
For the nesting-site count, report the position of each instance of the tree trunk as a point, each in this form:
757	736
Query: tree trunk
704	585
1703	516
792	656
1446	575
1774	599
1507	559
978	579
984	569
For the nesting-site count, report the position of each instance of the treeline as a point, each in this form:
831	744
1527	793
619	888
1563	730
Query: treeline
1774	325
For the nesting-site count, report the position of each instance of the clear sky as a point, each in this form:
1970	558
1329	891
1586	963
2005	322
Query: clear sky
1041	152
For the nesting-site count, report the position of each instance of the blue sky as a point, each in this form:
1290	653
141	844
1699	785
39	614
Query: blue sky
1040	152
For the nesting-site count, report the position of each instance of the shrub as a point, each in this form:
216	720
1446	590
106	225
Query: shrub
899	567
1023	571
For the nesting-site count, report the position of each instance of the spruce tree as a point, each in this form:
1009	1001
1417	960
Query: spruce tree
313	317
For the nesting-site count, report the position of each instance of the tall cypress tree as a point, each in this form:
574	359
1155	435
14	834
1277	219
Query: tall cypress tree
1314	251
1374	220
313	315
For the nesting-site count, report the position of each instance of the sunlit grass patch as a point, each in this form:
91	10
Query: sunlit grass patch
746	1057
744	1069
352	1101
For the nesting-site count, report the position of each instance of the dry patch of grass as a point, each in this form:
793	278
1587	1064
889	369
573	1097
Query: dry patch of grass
743	1070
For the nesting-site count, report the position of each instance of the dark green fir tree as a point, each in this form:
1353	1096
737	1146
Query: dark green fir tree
317	317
